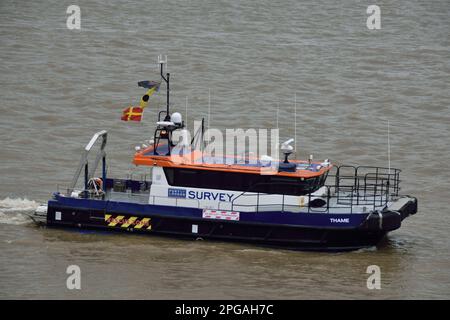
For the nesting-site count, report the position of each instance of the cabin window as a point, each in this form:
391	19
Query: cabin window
169	176
241	181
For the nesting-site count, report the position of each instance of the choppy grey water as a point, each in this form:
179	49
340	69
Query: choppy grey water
58	86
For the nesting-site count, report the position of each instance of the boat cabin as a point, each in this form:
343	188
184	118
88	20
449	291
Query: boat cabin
194	170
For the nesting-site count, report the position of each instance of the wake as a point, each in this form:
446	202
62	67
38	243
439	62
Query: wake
16	211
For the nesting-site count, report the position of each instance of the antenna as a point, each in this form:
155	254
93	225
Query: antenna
186	115
209	113
161	63
162	60
389	147
278	109
209	106
295	123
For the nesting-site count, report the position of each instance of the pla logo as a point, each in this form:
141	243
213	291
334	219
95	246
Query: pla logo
176	193
339	220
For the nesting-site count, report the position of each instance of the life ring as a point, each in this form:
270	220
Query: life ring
99	183
95	185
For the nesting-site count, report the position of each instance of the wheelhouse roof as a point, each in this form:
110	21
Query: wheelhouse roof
198	160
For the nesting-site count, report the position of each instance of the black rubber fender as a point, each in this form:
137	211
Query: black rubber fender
383	221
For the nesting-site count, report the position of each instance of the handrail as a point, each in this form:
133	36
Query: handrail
176	200
376	184
372	189
248	190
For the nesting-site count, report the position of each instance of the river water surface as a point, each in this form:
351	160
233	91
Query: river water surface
59	86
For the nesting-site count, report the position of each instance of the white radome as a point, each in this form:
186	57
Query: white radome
176	118
266	160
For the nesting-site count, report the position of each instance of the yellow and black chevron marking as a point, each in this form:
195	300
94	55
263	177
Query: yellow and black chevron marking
130	222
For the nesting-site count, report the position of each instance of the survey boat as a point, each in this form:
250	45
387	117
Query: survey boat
293	204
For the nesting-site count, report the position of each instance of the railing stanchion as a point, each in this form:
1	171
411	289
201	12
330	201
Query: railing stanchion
351	201
309	202
257	202
328	199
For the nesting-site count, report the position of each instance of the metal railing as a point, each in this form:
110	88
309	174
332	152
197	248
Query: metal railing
372	177
351	188
363	186
132	197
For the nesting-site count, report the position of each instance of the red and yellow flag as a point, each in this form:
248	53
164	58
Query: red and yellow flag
132	114
135	113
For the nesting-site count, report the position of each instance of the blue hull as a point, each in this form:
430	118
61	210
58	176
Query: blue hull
299	231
